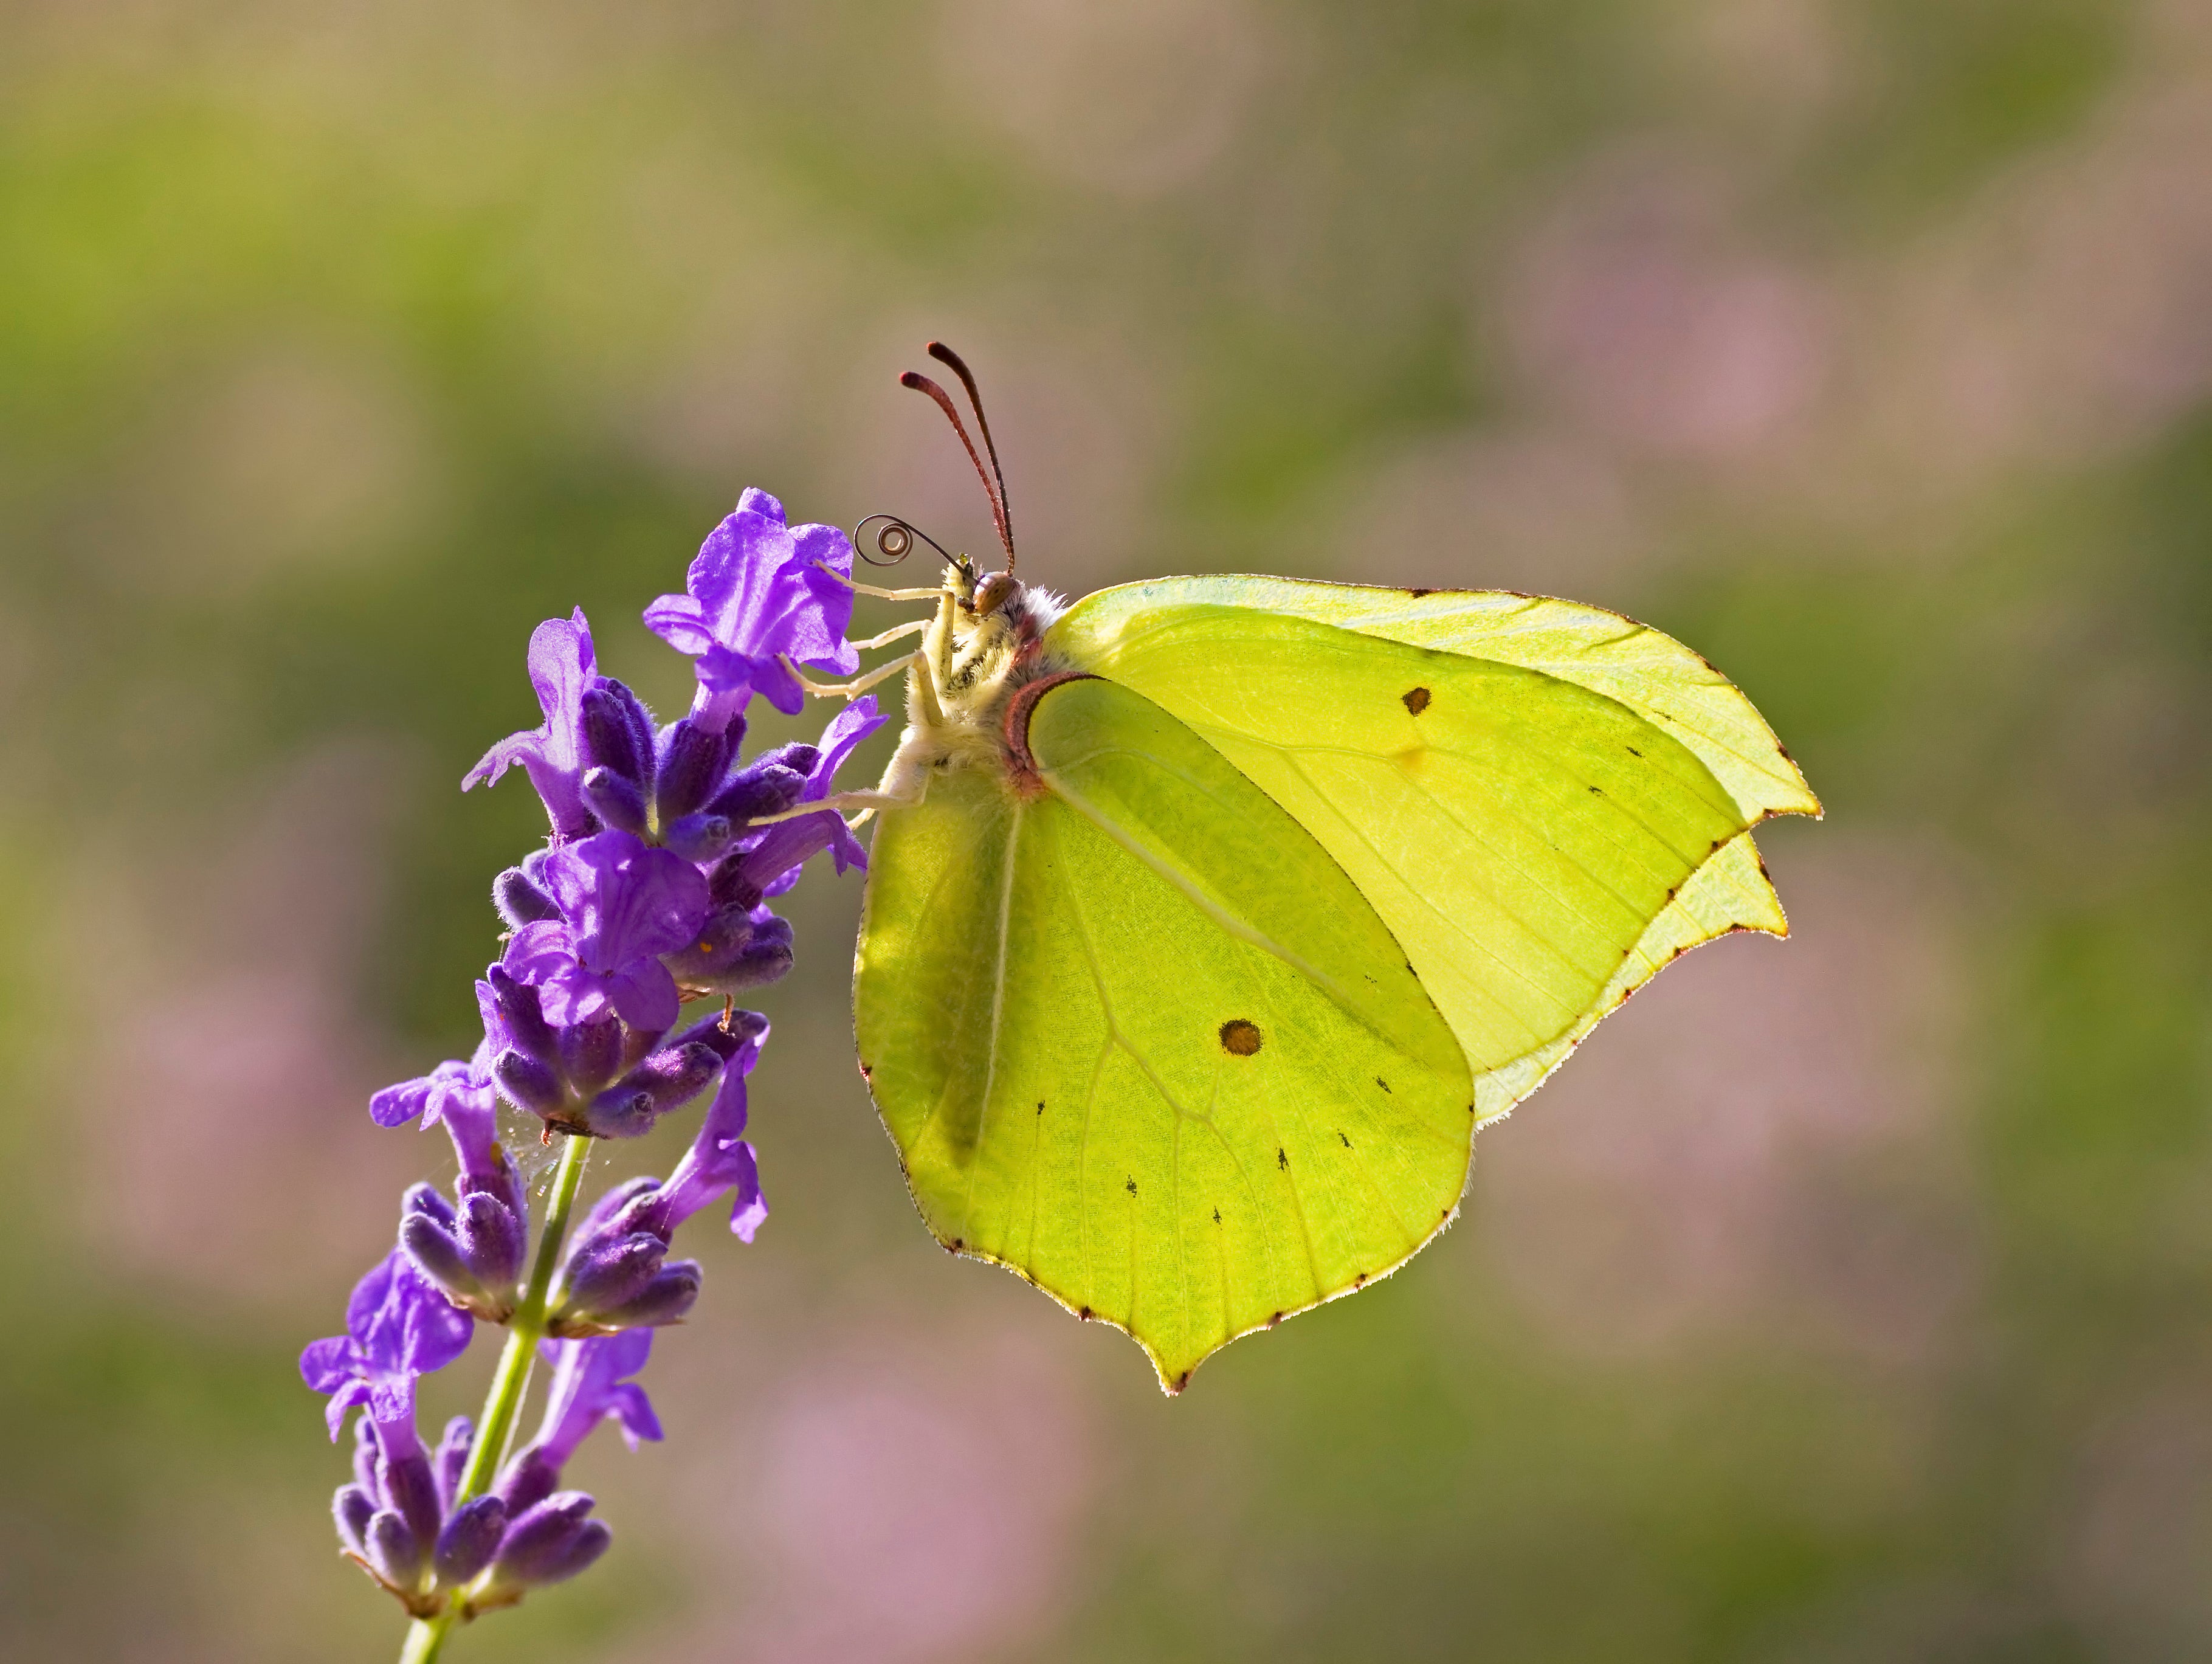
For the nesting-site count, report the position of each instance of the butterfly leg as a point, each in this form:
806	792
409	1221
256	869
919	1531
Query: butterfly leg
913	628
882	673
930	594
868	801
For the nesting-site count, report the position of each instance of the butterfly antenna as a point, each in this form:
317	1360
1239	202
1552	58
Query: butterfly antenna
995	482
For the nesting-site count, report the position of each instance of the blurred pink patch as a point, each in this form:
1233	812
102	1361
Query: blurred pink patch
1761	1136
1541	512
1635	312
2133	1550
915	1499
1137	98
226	1111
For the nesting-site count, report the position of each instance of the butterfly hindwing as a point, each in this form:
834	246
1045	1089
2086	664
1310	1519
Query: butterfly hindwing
1139	1037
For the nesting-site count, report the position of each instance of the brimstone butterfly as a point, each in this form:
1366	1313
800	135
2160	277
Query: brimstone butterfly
1207	918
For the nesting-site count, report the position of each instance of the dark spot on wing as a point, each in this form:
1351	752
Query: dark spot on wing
1359	1282
1384	1084
1273	1320
1416	699
1418	594
954	1245
1632	751
866	1073
1600	791
1181	1381
1040	1105
1282	1161
1217	1216
1084	1314
1240	1038
1130	1186
1346	1142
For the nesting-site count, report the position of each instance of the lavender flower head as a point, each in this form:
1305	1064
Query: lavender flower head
653	887
756	594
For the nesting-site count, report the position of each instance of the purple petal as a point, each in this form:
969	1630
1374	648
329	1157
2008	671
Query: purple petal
754	501
326	1365
573	996
536	953
679	621
749	1212
844	731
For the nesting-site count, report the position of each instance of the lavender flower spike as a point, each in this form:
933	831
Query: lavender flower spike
623	906
562	669
756	594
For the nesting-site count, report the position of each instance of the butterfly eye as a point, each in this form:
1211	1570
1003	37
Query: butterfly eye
997	590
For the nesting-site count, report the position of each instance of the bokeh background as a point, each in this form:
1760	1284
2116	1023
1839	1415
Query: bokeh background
1843	1299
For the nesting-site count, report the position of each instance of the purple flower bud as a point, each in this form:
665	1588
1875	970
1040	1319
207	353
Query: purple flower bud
675	1076
406	1485
767	785
365	1454
530	1478
451	1458
616	802
394	1552
516	1005
613	718
438	1256
721	941
610	1271
469	1539
692	760
592	1052
491	1238
700	838
763	956
583	1551
620	1113
667	1299
423	1198
503	1184
520	900
554	1540
351	1509
618	1210
528	1084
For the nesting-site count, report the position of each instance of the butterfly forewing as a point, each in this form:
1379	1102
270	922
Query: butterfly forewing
1525	837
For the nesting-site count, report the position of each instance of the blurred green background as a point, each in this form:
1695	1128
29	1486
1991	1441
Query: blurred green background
1842	1299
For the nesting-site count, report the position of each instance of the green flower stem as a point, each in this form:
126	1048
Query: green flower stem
426	1637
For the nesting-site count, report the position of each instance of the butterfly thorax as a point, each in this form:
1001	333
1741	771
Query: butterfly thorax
985	645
